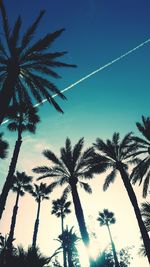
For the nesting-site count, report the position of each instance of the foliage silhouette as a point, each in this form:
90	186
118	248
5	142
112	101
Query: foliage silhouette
22	118
73	166
27	65
3	147
60	208
141	172
117	154
21	184
107	218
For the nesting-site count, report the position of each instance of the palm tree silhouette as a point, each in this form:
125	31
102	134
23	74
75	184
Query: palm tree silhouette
60	208
22	183
40	192
69	240
3	147
115	154
22	118
107	218
142	170
71	168
26	65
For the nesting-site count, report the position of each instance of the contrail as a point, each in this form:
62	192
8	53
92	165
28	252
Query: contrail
94	72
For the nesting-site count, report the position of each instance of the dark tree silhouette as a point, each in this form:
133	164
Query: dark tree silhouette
60	208
107	218
22	118
40	192
27	65
116	154
21	184
71	168
3	147
69	240
141	172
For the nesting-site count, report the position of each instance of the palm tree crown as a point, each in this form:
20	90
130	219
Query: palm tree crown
26	65
60	207
22	183
106	217
40	192
72	167
141	172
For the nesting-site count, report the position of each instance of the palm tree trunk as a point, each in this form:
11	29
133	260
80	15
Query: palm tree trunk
113	247
133	199
64	250
9	179
80	219
13	222
36	225
7	92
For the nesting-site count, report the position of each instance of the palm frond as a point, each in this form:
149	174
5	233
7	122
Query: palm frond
29	33
15	34
5	23
109	179
52	157
146	184
87	188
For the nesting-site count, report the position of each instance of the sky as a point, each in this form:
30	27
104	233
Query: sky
96	32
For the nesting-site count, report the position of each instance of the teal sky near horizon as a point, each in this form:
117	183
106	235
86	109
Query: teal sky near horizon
112	100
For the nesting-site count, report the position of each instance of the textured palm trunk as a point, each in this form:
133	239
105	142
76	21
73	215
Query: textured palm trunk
13	223
36	225
9	179
133	199
113	248
80	219
7	91
64	250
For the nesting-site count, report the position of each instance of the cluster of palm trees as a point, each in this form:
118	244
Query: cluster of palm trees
25	68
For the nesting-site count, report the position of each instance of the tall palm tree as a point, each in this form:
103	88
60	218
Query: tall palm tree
72	167
22	118
3	147
141	172
107	218
40	192
115	154
69	240
26	65
60	208
22	183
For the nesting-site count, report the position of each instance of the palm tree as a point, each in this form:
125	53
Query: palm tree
70	169
69	240
142	170
60	208
107	218
26	65
22	118
40	192
22	183
3	147
115	154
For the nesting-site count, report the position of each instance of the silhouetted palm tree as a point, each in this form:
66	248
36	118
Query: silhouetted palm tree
107	218
3	147
69	240
115	154
141	172
60	208
22	118
71	168
26	65
40	192
22	183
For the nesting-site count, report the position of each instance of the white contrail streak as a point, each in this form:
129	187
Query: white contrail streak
94	72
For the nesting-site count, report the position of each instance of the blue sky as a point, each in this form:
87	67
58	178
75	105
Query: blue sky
114	99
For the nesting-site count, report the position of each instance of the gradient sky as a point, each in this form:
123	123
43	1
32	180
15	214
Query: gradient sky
114	99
